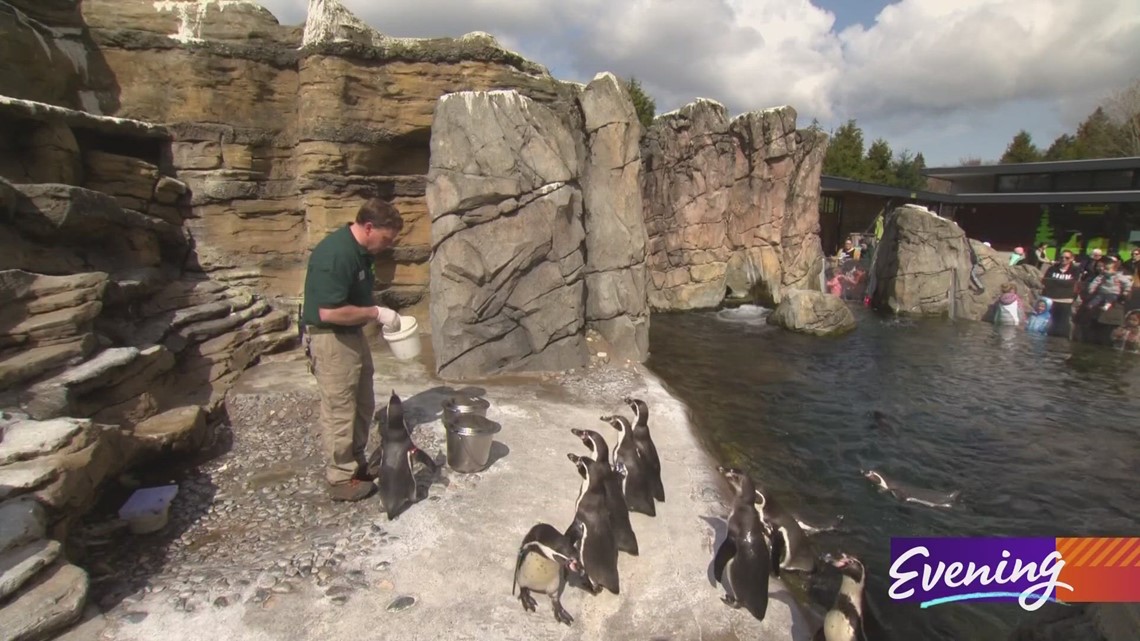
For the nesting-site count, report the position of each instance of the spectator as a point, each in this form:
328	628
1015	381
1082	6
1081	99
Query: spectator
1009	306
834	285
1038	320
1104	292
1042	255
1060	282
1133	263
1017	256
1127	336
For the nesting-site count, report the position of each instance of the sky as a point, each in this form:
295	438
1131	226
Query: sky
949	78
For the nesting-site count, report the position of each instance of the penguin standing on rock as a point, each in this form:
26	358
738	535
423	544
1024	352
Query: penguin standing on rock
624	536
646	447
591	532
544	558
743	560
627	460
844	621
395	459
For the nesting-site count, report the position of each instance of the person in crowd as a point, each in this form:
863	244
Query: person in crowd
1017	256
1133	263
1037	322
1127	336
1009	306
1060	283
1042	255
847	252
834	284
1092	266
1105	291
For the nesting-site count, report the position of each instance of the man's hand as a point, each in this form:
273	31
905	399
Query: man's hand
388	318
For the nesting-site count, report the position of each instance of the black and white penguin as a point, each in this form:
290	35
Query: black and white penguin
591	532
646	447
743	562
794	547
395	459
543	560
627	460
624	536
844	621
910	494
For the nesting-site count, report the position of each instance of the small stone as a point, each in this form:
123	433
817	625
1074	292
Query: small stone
385	584
401	603
134	617
221	602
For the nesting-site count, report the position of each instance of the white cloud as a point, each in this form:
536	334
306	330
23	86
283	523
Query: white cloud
918	63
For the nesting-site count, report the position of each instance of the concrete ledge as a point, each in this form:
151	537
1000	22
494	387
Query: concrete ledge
455	553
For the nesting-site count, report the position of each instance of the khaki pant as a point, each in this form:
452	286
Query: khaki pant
342	364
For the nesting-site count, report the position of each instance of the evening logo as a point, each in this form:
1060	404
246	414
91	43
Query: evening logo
934	571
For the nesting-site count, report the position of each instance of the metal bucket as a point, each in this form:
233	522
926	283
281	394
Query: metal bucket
457	406
469	439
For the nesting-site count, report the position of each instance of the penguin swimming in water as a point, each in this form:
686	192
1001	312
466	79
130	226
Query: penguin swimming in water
543	560
911	494
395	458
844	621
743	559
795	551
646	447
627	460
624	536
591	532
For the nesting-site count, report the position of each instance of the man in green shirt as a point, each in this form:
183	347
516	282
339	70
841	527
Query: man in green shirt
338	303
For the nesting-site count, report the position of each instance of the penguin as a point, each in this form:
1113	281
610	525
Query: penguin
795	549
744	560
591	533
911	494
624	536
844	621
627	460
646	447
395	459
543	560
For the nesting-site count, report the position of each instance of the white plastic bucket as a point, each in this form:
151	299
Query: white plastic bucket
405	343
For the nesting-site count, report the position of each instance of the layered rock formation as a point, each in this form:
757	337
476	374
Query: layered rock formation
923	265
731	206
812	312
536	231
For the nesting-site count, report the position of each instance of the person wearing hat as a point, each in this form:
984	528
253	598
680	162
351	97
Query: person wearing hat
338	304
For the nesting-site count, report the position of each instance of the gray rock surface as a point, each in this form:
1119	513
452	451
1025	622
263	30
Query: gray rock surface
27	439
53	600
255	550
811	312
22	563
20	478
924	258
21	521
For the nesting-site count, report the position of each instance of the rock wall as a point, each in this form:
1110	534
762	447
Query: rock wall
282	132
536	231
919	258
731	206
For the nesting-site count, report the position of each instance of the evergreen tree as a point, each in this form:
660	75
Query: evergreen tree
1021	149
845	152
877	164
1063	148
645	106
908	170
1097	136
1044	231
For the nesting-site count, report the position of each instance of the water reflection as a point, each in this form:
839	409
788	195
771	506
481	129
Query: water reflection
1039	434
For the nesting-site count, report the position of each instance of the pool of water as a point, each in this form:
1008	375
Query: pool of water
1040	435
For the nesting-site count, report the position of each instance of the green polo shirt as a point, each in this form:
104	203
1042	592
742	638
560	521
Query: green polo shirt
339	273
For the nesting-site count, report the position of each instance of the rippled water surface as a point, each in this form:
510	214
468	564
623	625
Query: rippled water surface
1041	436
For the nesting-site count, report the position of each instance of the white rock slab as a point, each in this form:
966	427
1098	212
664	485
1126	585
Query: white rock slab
28	439
54	600
20	478
22	563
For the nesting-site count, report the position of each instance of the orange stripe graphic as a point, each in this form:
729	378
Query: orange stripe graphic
1088	553
1112	546
1132	557
1077	546
1128	545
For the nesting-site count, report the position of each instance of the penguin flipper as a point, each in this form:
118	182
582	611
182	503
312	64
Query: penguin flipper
724	554
779	547
426	459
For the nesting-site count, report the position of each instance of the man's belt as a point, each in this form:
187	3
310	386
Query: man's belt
339	329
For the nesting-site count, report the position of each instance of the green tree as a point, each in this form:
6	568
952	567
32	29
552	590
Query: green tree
1097	136
907	171
645	106
877	164
845	152
1021	149
1063	148
1044	231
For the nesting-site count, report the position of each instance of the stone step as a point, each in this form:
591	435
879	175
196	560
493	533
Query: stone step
28	439
52	398
33	362
17	284
21	521
22	563
26	476
53	600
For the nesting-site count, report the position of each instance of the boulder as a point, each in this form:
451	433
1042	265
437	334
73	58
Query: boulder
22	521
54	397
52	601
812	312
182	429
923	262
730	205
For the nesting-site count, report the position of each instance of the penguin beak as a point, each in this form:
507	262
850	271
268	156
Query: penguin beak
576	432
573	457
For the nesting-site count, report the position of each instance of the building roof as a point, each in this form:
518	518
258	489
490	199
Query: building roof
834	184
1051	166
